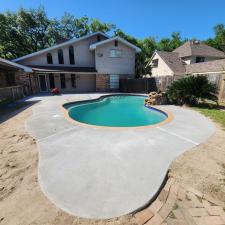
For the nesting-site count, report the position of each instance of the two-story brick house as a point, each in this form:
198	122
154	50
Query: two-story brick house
94	62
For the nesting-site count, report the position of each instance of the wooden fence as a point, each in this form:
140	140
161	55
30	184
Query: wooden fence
161	83
138	85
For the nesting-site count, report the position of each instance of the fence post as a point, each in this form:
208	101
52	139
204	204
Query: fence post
221	94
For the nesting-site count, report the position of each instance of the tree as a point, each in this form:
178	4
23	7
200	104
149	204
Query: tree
28	31
219	40
97	25
71	27
176	40
23	32
169	44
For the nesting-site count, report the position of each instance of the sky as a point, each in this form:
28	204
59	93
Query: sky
139	18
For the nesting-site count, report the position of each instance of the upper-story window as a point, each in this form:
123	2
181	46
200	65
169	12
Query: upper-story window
115	53
71	55
49	58
98	37
200	59
60	56
116	43
155	62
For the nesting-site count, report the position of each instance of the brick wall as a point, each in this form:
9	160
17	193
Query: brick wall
2	79
102	82
29	80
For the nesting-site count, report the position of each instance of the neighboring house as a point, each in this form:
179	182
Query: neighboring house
193	57
94	62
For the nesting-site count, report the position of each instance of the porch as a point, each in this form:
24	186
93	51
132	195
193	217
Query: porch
69	79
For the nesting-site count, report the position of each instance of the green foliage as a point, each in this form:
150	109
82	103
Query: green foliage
96	25
169	44
27	31
219	40
191	89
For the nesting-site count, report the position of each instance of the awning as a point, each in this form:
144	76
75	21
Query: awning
63	69
8	65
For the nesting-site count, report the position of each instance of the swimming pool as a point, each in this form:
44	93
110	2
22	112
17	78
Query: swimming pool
116	111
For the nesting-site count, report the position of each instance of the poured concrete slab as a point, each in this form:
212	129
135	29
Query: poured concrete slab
102	173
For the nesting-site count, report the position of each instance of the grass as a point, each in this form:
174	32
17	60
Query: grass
211	110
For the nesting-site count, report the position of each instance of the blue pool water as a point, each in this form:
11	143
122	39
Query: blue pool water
116	111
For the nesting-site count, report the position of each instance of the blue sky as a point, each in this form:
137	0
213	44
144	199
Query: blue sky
140	18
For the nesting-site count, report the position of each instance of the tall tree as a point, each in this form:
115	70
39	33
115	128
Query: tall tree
97	25
31	30
169	44
219	40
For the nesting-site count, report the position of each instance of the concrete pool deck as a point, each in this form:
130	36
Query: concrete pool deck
103	173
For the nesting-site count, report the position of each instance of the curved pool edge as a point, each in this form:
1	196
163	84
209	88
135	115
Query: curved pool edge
63	107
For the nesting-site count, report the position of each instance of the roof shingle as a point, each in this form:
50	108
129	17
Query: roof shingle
173	60
196	48
204	67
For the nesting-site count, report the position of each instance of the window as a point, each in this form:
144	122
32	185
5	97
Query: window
71	55
200	59
155	62
49	58
63	80
115	53
114	81
73	80
60	56
116	43
51	81
98	37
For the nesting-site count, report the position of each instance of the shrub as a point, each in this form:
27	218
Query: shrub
191	89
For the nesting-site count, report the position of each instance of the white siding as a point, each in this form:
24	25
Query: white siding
83	56
109	65
162	69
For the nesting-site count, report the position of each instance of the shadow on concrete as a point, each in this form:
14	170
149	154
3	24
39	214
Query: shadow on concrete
10	110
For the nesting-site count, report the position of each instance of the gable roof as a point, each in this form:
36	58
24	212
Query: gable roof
173	61
60	45
93	46
8	63
197	48
204	67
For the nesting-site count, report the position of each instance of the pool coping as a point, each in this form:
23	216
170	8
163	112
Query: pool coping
169	115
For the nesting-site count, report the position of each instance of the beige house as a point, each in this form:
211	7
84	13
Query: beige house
94	62
193	57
